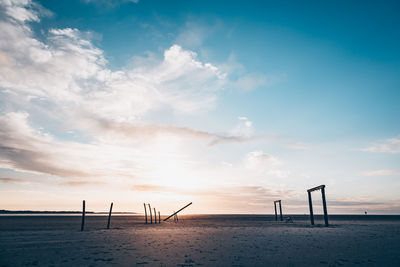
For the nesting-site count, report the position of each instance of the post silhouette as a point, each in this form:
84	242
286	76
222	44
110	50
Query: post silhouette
311	209
151	215
322	188
83	216
280	209
324	205
155	215
173	214
109	216
159	218
145	211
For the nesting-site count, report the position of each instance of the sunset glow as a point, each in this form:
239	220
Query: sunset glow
140	101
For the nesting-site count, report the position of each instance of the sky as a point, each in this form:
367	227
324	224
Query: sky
229	105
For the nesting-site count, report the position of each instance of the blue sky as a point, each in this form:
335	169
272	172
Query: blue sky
237	104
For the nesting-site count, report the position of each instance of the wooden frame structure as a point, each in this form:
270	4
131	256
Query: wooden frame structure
280	210
322	188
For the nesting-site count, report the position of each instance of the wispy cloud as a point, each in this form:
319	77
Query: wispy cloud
391	145
262	162
381	173
49	182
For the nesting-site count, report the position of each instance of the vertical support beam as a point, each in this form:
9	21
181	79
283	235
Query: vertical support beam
177	219
155	216
276	214
151	215
83	216
159	218
109	216
280	209
324	204
145	211
311	210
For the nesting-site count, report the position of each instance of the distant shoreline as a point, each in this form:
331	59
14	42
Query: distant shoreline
57	212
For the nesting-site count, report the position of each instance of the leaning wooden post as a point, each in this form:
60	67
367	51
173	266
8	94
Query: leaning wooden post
159	218
276	214
83	216
155	215
173	214
109	216
324	204
311	210
145	211
280	209
151	215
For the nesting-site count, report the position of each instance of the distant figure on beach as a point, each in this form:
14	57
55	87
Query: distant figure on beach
365	212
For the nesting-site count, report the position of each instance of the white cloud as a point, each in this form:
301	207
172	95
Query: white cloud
391	145
61	83
381	173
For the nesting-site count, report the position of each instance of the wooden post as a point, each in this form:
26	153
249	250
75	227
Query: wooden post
280	209
173	214
155	216
145	211
83	216
109	216
151	215
176	215
311	210
159	218
324	204
276	214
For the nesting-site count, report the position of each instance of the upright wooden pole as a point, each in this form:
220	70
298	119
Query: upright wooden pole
324	204
151	215
176	215
159	217
145	211
276	214
83	216
109	216
280	209
155	215
311	209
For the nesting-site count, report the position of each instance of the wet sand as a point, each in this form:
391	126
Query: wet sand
214	240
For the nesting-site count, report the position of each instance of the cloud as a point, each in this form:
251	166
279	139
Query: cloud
391	145
265	163
67	114
381	173
255	195
250	81
51	182
350	202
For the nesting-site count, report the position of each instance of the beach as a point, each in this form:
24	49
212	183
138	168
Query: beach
208	240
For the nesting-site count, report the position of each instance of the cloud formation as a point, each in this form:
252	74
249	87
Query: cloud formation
381	173
64	77
391	146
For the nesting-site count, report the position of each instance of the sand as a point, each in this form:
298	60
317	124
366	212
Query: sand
198	240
